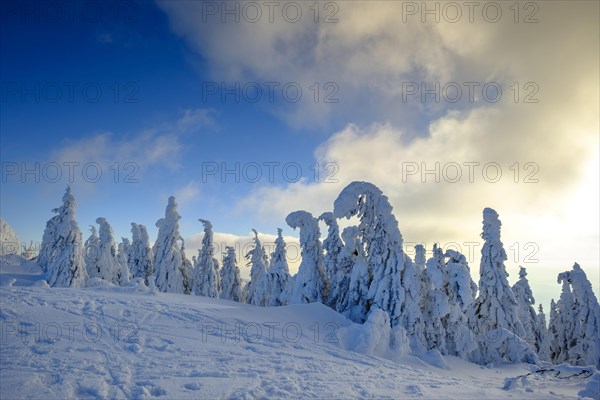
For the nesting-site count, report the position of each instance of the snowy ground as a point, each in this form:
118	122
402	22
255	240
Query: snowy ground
129	343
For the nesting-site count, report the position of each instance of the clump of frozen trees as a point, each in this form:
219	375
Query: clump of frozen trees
141	258
362	273
575	321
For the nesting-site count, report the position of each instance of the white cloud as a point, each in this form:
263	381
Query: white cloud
131	154
371	52
187	193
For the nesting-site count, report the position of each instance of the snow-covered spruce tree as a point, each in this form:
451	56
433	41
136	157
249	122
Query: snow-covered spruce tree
527	314
420	263
462	285
207	280
544	337
461	292
231	283
92	253
332	244
394	286
258	262
309	284
277	277
140	258
564	323
436	301
66	265
186	270
494	318
579	314
124	249
48	245
420	259
169	259
553	341
108	264
349	286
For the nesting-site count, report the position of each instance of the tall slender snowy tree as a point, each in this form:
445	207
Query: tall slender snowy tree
207	280
462	286
420	264
461	292
496	306
141	258
186	270
309	284
124	250
108	264
494	317
258	262
66	264
352	272
332	244
353	278
92	253
231	283
420	259
436	301
394	285
48	245
555	341
169	258
277	277
527	314
544	338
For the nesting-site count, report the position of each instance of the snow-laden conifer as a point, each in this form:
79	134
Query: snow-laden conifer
207	280
141	263
309	284
107	267
231	283
66	264
527	314
332	245
169	259
258	263
92	253
124	250
277	277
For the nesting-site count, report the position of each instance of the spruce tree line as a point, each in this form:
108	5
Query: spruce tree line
360	273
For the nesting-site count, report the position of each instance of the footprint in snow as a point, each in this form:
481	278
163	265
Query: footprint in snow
193	386
413	390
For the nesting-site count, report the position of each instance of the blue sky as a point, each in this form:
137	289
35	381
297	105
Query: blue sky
157	78
156	62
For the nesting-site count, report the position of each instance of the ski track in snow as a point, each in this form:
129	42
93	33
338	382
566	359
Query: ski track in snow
115	343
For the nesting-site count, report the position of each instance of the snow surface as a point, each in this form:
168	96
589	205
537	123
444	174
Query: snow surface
137	343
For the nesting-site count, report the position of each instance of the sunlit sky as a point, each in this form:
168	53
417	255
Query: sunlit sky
248	112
